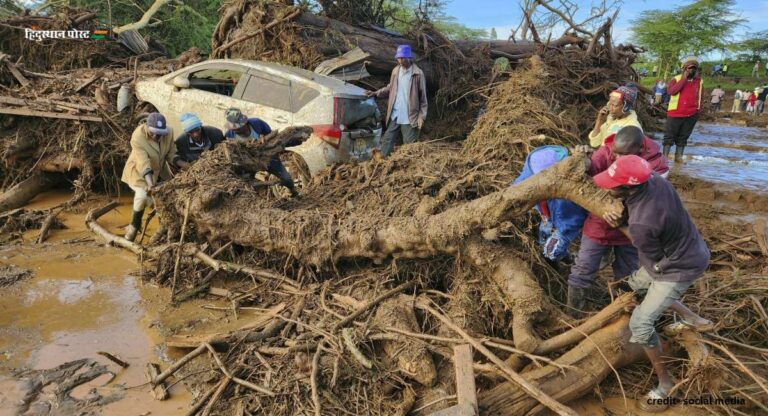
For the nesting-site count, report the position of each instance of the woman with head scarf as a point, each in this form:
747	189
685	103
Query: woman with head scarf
618	113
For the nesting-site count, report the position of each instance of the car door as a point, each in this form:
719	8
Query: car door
268	97
213	88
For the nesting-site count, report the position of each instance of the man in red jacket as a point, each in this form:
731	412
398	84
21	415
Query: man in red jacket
684	105
598	238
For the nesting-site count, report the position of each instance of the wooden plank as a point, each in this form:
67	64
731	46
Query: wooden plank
89	81
194	340
47	114
44	101
12	100
159	391
453	411
761	235
16	73
466	391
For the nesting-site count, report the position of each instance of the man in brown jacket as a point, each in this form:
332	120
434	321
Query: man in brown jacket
407	106
152	146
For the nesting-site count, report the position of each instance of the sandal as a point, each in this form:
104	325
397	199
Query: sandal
707	327
651	402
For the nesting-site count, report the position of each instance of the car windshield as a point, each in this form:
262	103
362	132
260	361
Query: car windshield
357	112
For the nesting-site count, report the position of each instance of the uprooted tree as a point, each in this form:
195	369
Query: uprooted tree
438	218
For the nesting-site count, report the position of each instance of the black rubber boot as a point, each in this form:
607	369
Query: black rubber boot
134	226
577	301
679	151
667	149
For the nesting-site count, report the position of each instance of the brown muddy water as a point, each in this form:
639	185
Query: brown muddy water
82	299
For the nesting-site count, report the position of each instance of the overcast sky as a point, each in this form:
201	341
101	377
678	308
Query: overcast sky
506	14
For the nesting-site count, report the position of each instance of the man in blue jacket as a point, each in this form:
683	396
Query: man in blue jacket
561	220
240	127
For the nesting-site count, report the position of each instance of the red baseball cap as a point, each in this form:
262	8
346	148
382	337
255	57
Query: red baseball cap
626	170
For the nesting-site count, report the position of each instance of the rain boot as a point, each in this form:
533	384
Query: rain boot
666	150
577	301
679	150
135	225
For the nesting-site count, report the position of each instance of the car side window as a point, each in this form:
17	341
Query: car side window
268	92
215	80
301	95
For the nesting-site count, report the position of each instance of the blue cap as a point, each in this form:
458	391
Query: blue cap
189	122
156	124
404	51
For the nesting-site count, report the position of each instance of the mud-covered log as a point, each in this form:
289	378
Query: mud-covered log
589	363
230	215
412	358
517	284
24	191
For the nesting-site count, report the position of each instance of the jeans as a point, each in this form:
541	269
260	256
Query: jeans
760	107
587	262
277	168
657	296
410	135
678	129
141	199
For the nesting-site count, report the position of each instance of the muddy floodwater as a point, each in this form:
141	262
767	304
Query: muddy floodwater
728	155
81	299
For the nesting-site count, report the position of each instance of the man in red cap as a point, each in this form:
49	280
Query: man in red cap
599	239
407	106
672	256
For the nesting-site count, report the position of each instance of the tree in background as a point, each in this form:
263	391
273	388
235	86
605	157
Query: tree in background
753	47
698	28
493	35
550	16
177	25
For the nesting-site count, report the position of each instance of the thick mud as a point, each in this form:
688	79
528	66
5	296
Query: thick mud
82	299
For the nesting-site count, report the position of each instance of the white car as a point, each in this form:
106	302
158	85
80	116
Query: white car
346	123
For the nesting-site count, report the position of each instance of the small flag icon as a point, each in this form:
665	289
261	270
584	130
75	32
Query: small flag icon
99	33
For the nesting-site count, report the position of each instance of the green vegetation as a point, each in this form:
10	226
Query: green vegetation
698	28
753	47
180	25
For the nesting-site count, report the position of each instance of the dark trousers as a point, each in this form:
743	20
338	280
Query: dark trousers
587	262
277	168
410	135
678	130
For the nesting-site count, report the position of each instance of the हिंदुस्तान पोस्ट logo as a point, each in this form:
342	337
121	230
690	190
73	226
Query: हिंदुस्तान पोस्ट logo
36	34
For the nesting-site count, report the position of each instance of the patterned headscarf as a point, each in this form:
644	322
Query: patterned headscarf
628	94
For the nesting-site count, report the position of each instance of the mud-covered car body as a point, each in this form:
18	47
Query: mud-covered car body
346	124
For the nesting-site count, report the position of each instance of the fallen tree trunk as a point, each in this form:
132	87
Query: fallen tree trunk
230	216
325	38
24	191
588	364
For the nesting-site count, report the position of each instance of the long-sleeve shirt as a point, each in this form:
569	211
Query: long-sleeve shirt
148	156
688	100
595	227
612	126
189	151
669	246
417	95
565	216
